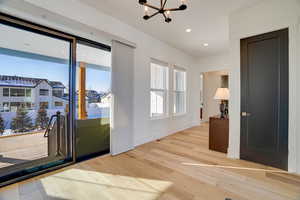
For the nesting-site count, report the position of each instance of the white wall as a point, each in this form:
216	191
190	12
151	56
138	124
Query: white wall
213	63
211	81
218	63
263	17
269	15
145	130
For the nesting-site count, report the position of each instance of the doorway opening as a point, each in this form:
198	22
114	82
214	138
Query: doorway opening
214	97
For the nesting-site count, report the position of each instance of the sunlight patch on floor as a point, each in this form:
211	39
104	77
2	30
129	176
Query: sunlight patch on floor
82	184
232	167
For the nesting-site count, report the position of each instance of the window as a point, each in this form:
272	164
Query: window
15	105
58	104
44	105
57	93
16	92
5	106
6	92
179	97
44	92
28	92
28	105
159	89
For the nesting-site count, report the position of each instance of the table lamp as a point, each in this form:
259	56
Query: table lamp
223	95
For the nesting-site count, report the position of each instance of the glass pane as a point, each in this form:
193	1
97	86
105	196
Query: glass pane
5	92
28	92
32	66
179	80
179	102
159	76
93	100
157	103
44	92
94	73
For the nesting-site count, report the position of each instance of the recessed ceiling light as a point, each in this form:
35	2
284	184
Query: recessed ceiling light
205	44
188	30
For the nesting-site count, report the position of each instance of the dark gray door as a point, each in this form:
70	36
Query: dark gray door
264	99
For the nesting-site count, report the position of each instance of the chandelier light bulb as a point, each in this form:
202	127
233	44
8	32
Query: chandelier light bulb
168	13
146	9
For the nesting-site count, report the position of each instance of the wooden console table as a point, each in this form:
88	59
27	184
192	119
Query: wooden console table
218	134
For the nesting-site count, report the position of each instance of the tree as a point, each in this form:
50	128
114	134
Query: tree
22	122
42	118
2	127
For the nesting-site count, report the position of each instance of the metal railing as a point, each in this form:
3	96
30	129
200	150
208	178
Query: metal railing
51	123
56	133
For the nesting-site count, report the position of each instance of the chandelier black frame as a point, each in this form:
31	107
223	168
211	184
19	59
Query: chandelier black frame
162	9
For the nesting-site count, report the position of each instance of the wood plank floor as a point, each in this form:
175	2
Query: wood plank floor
178	167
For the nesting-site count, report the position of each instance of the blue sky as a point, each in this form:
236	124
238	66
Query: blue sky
10	65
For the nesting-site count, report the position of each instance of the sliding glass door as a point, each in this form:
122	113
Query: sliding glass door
35	99
93	100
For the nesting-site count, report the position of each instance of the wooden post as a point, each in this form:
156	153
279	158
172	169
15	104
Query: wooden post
82	114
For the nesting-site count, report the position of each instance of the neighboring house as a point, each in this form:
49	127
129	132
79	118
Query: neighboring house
106	98
93	96
32	93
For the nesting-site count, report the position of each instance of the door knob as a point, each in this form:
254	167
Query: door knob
245	114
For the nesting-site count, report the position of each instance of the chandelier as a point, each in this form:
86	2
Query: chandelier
166	12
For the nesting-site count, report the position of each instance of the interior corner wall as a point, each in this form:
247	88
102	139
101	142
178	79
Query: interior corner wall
263	17
211	81
147	47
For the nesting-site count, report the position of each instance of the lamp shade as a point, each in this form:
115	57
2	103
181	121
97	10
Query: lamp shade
222	94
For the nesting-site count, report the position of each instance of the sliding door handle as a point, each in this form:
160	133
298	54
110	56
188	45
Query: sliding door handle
245	114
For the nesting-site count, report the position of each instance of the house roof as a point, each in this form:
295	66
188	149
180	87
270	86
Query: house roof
18	81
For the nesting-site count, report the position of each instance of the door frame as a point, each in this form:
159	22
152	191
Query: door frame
244	87
73	39
46	167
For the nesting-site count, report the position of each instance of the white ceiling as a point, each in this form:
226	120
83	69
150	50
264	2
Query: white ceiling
208	20
34	43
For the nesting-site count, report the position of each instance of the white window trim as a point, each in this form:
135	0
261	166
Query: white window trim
175	91
166	91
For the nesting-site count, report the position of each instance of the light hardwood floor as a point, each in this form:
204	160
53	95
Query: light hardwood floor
179	166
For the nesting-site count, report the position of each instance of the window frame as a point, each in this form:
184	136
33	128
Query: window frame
57	91
61	104
12	94
44	103
6	94
28	92
174	91
44	90
3	106
166	91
